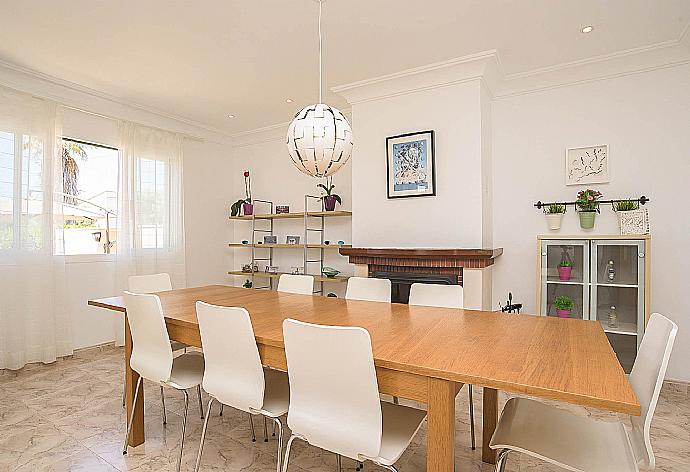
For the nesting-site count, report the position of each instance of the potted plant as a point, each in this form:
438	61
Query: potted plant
625	208
554	215
565	269
245	204
330	198
564	305
247	284
588	204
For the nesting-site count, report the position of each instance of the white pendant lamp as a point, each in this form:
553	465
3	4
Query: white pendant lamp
319	138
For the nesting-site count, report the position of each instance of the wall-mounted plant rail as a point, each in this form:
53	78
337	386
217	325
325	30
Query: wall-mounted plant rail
541	205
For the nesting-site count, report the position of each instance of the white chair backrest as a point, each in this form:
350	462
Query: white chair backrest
368	289
646	378
303	284
444	296
149	283
151	352
334	396
233	373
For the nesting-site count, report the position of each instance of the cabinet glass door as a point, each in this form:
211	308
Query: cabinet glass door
618	294
565	277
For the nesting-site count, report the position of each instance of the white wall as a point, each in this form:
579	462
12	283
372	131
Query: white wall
645	119
453	218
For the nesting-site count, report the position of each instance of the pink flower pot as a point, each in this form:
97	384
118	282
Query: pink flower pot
564	273
563	313
248	208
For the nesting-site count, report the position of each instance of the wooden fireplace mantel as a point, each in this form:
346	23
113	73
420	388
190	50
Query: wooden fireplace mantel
422	253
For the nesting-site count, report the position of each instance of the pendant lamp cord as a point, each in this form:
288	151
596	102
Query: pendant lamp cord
320	66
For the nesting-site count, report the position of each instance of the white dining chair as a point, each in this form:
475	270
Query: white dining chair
334	396
152	283
234	375
302	284
152	357
442	296
580	443
368	289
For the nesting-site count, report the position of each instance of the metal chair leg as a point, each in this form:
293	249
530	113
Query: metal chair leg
131	416
339	462
469	386
286	459
265	429
251	426
124	392
279	425
274	430
184	427
396	401
221	409
360	466
203	436
201	406
389	467
501	460
165	418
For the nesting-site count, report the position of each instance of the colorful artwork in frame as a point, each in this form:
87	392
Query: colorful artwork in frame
410	165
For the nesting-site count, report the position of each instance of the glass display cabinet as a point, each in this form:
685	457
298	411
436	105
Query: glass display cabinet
599	278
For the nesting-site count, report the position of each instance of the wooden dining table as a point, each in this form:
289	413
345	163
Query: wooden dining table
422	353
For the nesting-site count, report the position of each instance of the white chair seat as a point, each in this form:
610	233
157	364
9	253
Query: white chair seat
399	425
276	393
557	436
187	371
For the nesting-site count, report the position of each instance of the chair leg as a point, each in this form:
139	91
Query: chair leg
203	436
165	418
124	392
396	401
201	406
265	429
274	430
286	459
469	389
277	423
184	427
389	467
251	426
339	462
501	460
131	416
221	409
360	466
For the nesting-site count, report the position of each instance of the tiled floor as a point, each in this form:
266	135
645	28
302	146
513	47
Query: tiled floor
68	416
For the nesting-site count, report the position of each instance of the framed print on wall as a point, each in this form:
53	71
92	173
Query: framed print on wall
410	165
587	165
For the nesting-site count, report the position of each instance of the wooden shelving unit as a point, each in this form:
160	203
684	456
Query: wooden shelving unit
318	278
292	215
291	246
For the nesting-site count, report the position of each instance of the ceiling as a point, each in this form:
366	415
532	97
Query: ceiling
206	59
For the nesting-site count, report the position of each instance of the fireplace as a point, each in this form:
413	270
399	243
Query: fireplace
402	281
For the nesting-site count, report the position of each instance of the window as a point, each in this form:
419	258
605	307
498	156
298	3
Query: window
154	205
90	186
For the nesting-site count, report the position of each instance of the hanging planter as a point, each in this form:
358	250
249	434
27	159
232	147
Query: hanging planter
588	207
554	215
587	218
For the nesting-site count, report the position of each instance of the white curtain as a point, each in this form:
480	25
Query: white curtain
150	229
34	323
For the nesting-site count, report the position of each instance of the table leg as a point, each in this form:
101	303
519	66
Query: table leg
441	423
131	377
489	420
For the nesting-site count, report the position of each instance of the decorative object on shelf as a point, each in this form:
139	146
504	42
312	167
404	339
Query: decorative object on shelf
588	204
247	284
248	268
270	239
245	241
330	272
587	165
297	270
319	138
330	199
565	269
341	242
613	317
332	295
282	209
259	242
271	269
410	165
554	215
327	242
611	271
245	203
564	306
292	240
510	307
631	219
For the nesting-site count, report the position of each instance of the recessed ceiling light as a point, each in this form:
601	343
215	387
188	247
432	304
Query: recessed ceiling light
587	29
231	116
288	100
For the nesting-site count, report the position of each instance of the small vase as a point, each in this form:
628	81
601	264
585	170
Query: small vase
553	220
587	219
248	208
563	313
564	273
329	202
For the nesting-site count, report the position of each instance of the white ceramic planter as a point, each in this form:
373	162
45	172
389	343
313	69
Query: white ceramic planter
553	220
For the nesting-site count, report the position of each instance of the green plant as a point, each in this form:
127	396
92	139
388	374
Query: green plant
237	206
555	208
565	263
247	284
588	200
626	205
70	169
328	188
564	303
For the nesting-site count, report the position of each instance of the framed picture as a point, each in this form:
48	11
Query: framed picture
410	165
587	165
292	240
282	209
270	239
